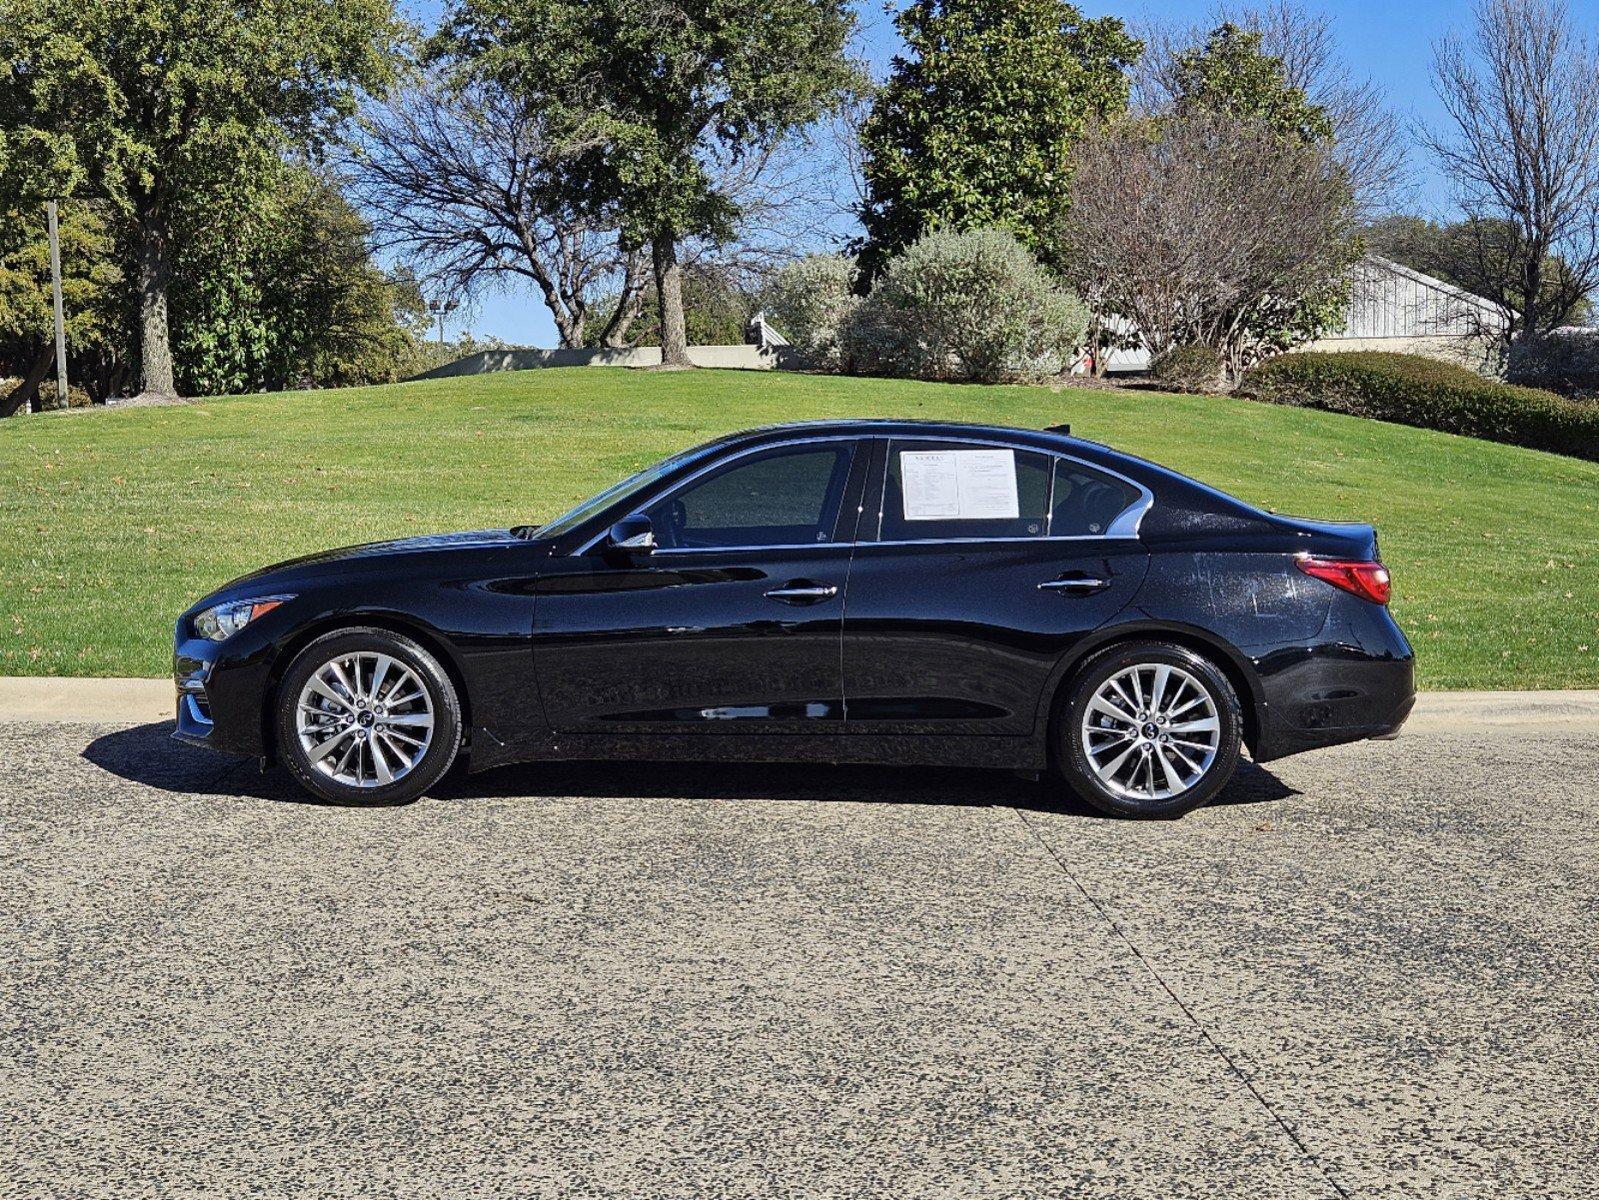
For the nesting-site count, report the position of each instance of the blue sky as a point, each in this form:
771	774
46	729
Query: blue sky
1389	41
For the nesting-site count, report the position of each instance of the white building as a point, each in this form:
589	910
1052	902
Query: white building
1394	308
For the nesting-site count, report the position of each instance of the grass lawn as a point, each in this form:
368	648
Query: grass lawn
112	522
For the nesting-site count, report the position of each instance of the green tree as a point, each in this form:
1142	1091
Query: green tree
644	94
91	289
150	105
1233	75
287	295
975	125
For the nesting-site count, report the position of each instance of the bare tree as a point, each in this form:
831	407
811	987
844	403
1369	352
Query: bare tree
1522	94
460	178
840	144
783	197
1204	227
1369	139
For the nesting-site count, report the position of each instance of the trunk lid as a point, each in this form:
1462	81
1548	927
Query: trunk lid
1329	539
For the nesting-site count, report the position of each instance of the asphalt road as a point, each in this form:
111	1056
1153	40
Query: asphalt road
1367	972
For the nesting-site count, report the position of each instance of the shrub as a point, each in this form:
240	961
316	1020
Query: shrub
76	396
809	302
966	306
1566	362
1187	368
45	399
1410	390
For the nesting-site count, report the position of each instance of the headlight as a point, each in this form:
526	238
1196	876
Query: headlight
222	621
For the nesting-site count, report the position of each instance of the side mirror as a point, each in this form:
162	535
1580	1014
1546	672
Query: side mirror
632	535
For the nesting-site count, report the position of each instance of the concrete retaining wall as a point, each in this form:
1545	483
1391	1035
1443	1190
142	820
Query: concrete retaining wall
738	358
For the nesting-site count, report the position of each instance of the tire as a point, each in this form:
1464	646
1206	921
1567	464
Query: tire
1131	771
382	745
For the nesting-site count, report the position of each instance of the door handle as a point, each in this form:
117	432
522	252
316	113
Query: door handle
801	592
1076	585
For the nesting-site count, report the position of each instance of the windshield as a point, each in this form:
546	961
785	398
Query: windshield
614	494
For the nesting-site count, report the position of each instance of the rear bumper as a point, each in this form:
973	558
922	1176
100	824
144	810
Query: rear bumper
1357	681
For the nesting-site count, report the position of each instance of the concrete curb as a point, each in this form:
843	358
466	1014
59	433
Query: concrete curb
25	699
137	701
1442	712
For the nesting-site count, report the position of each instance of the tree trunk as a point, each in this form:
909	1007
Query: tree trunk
669	286
626	312
22	395
154	278
629	304
1531	297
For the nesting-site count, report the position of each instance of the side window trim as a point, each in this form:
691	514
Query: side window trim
1049	497
1123	528
869	531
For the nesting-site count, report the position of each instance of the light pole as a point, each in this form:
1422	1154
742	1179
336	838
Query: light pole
441	309
55	287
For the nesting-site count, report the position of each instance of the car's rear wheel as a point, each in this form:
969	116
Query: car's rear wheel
367	717
1149	729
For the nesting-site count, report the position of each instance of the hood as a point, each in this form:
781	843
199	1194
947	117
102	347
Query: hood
411	545
333	562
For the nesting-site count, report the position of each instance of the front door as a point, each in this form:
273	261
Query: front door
732	625
987	564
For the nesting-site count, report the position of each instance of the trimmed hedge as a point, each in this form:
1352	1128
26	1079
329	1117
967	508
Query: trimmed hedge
1566	362
1408	389
1187	368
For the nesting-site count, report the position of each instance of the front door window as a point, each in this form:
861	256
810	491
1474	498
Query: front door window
789	496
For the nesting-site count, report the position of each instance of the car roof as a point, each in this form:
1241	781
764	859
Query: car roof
1055	438
1170	487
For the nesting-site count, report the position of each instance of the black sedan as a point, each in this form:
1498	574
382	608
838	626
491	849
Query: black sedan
861	591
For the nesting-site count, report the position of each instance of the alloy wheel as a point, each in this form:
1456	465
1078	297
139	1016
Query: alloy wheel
364	719
1151	731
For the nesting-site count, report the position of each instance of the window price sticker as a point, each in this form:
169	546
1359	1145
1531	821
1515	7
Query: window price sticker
958	485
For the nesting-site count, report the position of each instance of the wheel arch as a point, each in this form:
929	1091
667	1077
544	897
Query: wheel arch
1228	659
422	634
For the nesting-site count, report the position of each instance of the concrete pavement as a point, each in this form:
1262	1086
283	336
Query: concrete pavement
1366	972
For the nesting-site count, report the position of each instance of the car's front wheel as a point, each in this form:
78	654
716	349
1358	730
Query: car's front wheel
1149	729
366	717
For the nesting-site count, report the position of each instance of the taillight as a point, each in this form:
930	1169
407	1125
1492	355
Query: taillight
1368	580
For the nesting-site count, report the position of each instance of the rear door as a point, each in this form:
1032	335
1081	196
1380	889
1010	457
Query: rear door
979	564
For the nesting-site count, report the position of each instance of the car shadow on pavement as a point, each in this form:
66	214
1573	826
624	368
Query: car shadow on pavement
812	783
146	754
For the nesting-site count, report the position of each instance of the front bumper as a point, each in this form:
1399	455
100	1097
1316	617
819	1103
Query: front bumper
220	691
194	723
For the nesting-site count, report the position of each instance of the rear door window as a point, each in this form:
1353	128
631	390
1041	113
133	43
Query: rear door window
955	491
948	490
